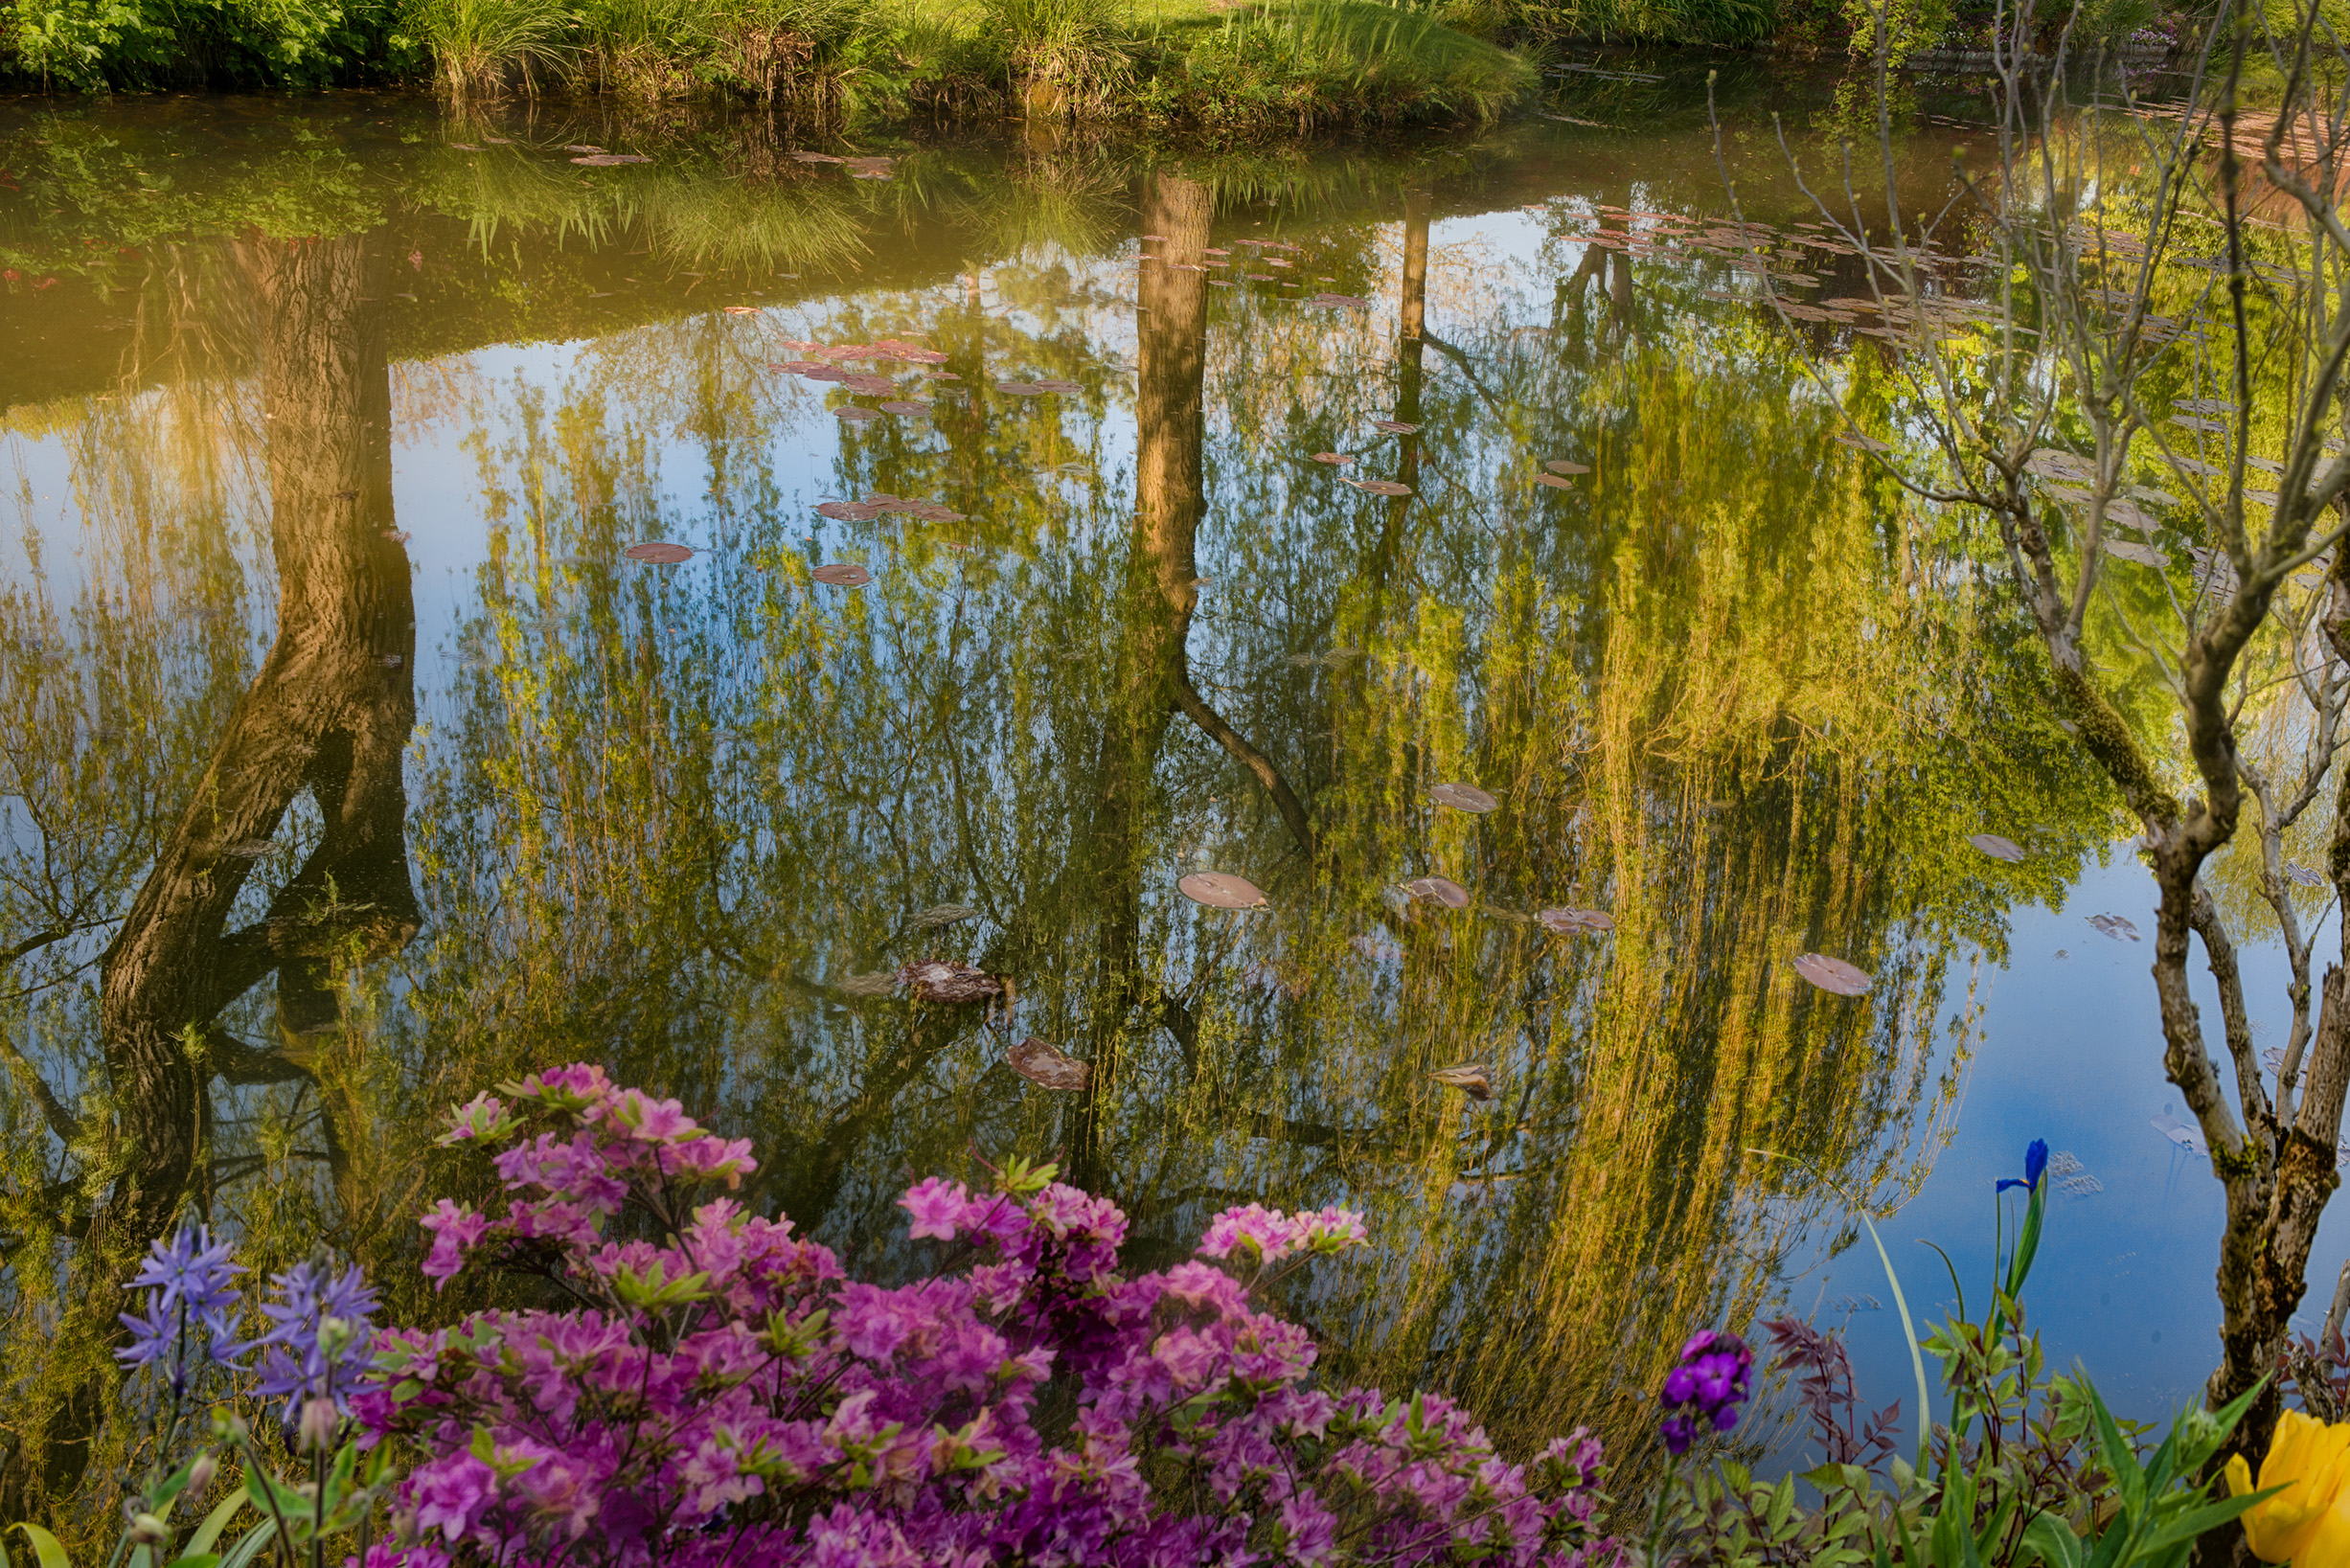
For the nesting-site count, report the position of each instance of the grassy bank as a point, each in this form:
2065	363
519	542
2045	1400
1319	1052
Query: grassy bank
1239	65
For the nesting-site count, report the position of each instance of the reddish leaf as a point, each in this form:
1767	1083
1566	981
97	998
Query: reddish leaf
842	575
1044	1066
659	552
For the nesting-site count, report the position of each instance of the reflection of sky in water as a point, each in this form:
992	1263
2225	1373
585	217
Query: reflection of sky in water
2069	1047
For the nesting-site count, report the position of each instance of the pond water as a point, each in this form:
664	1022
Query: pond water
352	753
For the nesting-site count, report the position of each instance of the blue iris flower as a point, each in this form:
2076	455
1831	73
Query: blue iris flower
2035	1161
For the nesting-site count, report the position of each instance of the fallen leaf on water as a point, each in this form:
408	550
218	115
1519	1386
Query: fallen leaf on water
582	147
1059	386
1561	466
1463	797
1382	487
610	160
815	157
743	309
842	575
659	551
1021	389
1554	482
1997	848
1444	891
2141	555
900	406
1348	302
944	915
1832	974
1566	922
1044	1066
1470	1076
1333	458
943	980
848	511
1394	428
1221	890
1159	237
855	411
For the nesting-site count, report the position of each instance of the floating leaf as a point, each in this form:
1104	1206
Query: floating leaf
1158	237
1444	891
1394	428
2141	555
1463	797
2115	926
1469	1076
848	511
1997	848
1059	386
902	407
943	980
854	412
1567	922
659	551
938	915
1044	1066
1832	974
1333	458
1021	389
842	575
2179	1132
582	147
1382	487
1560	465
1221	890
1555	482
612	160
1349	302
815	158
743	309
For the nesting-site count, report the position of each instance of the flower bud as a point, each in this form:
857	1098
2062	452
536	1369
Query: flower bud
146	1530
200	1474
320	1423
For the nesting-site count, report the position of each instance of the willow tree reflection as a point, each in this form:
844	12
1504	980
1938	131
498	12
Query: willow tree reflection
686	816
329	711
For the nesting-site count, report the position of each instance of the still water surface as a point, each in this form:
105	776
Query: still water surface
335	703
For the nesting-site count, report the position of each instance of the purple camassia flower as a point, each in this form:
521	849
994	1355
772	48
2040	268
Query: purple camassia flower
1705	1389
320	1343
189	1305
729	1398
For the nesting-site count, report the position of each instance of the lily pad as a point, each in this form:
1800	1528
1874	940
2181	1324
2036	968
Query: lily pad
1443	890
1463	797
1221	890
1997	848
842	575
1471	1076
1832	974
1044	1066
659	551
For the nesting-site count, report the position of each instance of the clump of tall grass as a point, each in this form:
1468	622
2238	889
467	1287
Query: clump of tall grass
1650	21
1065	55
798	47
488	48
1319	63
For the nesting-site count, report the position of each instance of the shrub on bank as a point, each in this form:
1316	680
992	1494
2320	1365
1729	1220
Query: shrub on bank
684	1383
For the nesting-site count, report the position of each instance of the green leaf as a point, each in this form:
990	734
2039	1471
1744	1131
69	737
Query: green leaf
2194	1522
2053	1541
215	1522
195	1559
2118	1457
47	1549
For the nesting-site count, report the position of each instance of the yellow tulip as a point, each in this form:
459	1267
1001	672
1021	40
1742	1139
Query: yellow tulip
2309	1522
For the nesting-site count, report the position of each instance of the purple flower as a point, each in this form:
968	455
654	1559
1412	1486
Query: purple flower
1705	1388
190	1302
2035	1161
320	1343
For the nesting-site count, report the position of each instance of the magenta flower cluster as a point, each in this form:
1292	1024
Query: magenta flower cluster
705	1388
1705	1388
